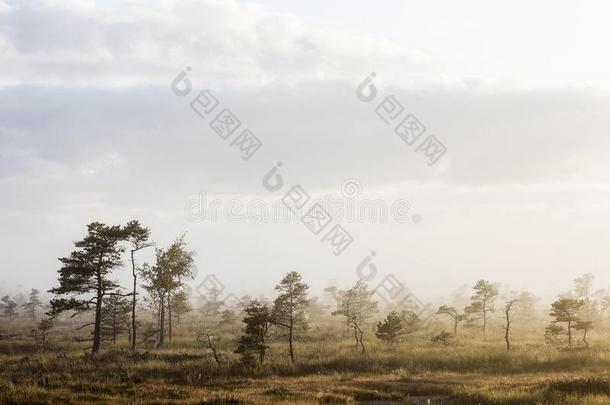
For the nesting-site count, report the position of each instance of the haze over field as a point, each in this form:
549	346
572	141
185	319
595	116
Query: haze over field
90	130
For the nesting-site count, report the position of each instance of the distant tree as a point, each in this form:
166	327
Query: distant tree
20	298
445	338
156	280
459	297
228	321
289	307
41	333
178	262
481	303
583	290
605	305
165	278
334	294
84	276
455	316
210	339
137	237
411	321
180	305
357	306
553	332
254	340
115	317
566	310
211	307
317	311
526	306
585	327
391	328
33	303
9	307
243	302
583	286
152	299
507	308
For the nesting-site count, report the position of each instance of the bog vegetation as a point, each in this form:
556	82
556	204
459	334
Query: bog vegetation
153	341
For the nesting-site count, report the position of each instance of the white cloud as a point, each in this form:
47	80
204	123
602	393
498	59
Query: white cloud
90	130
227	42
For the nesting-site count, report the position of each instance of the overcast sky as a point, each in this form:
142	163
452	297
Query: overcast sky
518	92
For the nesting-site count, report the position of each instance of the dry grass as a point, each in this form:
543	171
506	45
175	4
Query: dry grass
327	372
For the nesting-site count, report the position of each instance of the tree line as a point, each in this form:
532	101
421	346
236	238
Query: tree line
86	285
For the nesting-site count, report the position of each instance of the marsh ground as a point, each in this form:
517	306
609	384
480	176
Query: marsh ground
469	372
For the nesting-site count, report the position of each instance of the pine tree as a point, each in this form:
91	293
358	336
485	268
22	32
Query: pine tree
165	278
254	340
481	303
180	305
507	309
357	306
411	321
10	307
115	317
566	310
585	327
41	333
289	307
84	278
390	329
138	239
32	304
453	314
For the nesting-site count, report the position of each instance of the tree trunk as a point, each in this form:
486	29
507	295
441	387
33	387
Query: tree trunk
290	330
484	322
133	303
114	329
290	348
569	334
584	338
214	353
455	325
361	339
262	350
162	322
506	333
97	329
169	313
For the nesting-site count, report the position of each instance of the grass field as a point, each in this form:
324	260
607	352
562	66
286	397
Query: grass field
469	372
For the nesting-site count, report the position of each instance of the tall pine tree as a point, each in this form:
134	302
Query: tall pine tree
289	307
84	278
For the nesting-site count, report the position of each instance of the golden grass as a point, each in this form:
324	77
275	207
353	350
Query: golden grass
326	372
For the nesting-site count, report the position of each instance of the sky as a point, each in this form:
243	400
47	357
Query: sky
518	94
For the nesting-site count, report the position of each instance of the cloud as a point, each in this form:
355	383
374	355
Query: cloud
89	129
230	43
143	147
